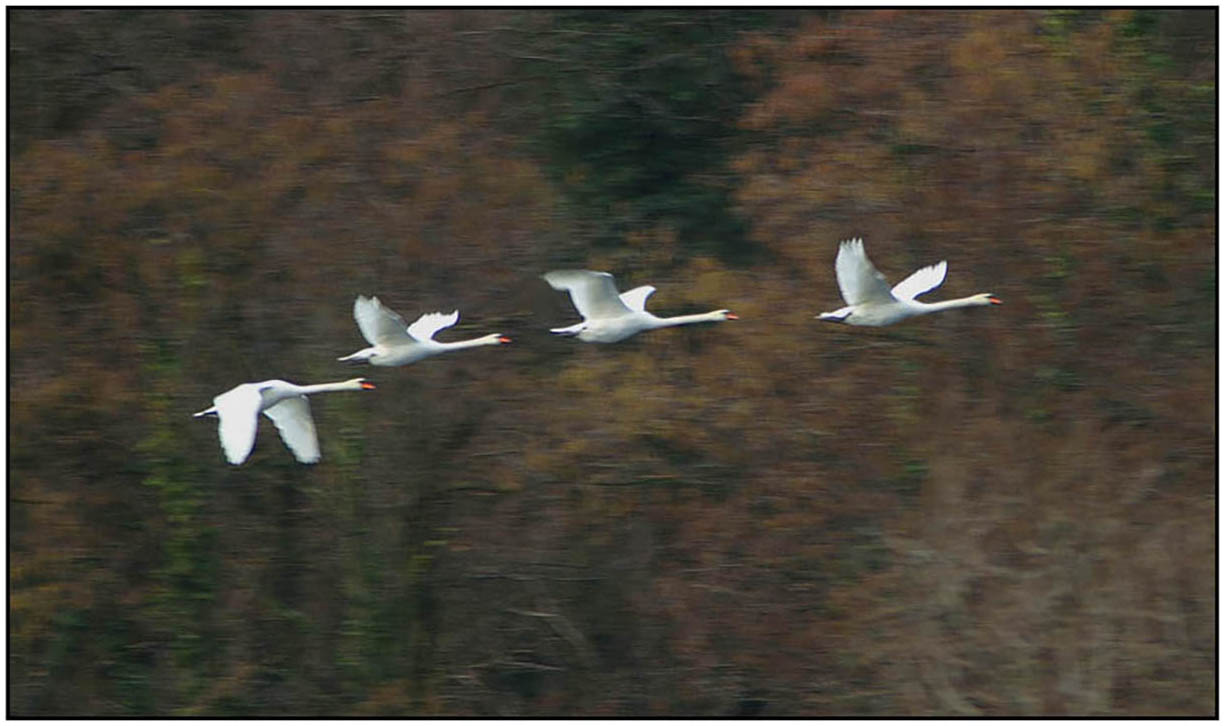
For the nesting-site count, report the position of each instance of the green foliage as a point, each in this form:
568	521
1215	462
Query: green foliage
69	66
638	119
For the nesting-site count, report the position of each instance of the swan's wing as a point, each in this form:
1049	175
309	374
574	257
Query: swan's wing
292	417
858	279
427	325
379	324
636	299
920	281
594	294
237	413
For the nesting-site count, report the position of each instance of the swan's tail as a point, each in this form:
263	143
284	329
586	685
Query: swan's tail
837	316
360	356
571	330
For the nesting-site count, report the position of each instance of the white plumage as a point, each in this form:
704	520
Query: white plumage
869	299
392	343
238	410
609	316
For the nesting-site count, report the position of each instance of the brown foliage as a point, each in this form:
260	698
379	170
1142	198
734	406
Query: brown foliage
988	512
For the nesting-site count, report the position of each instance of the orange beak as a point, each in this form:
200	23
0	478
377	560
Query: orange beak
733	316
996	301
368	385
503	339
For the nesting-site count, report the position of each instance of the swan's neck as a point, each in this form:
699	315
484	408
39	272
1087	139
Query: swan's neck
491	339
961	302
353	384
712	316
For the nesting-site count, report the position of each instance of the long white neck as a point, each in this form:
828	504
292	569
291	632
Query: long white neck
353	384
491	339
961	302
710	317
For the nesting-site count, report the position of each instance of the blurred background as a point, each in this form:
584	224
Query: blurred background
998	512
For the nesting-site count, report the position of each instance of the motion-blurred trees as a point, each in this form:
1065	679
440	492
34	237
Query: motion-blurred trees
994	512
1067	158
637	118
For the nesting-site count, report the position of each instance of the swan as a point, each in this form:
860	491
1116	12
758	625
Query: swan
869	301
392	343
608	316
238	409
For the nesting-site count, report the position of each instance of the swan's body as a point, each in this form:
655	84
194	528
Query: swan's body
238	410
870	301
393	343
609	316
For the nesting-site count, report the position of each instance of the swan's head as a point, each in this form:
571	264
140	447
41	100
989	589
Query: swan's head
503	340
361	383
725	315
989	299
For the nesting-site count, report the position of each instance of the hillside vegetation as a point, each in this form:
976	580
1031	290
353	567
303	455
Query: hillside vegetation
987	512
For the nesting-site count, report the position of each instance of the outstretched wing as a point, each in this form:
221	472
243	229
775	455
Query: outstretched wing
920	281
593	293
636	299
379	325
427	325
292	417
858	279
237	413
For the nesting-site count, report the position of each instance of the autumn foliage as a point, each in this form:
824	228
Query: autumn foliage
988	512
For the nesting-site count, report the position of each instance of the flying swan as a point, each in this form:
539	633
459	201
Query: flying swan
869	301
238	409
392	343
608	316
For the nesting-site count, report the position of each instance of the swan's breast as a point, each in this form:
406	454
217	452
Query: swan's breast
612	330
398	355
877	315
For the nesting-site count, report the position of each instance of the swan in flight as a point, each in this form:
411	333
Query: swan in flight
392	343
238	409
869	301
608	316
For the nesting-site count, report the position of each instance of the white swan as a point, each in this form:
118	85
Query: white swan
608	316
238	409
869	301
392	343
